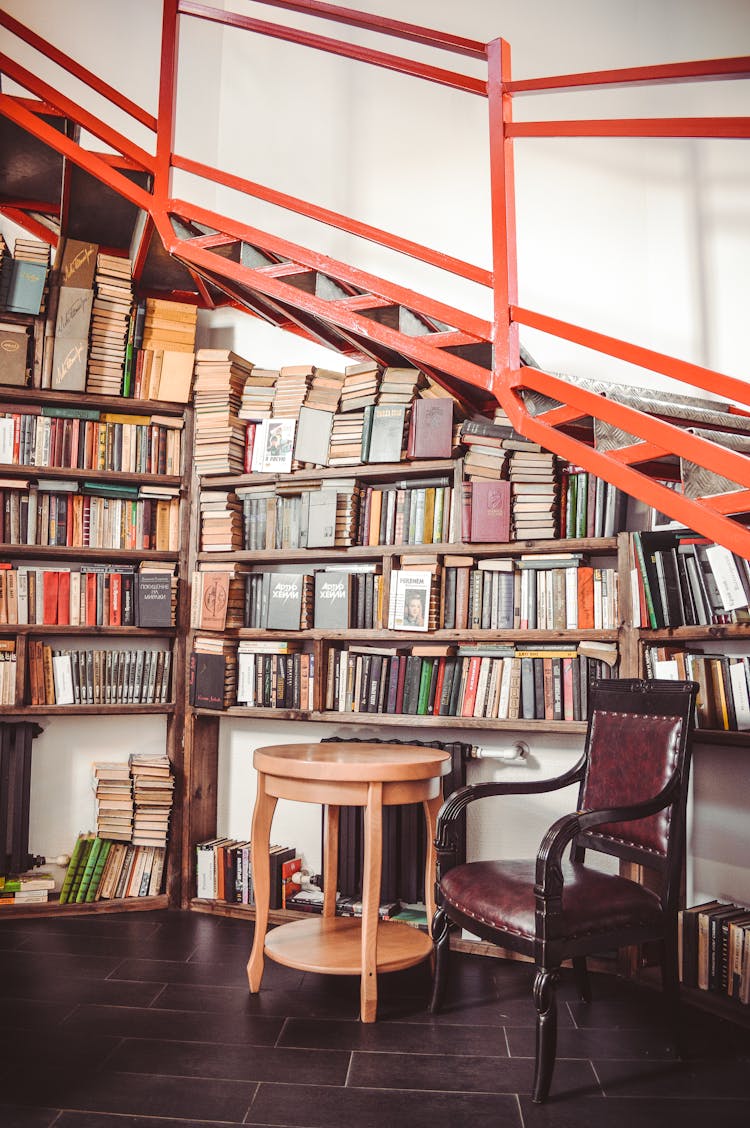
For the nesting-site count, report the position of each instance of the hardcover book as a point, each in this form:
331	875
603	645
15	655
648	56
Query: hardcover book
14	347
431	429
332	599
154	599
490	512
285	601
278	436
321	518
313	436
410	600
387	433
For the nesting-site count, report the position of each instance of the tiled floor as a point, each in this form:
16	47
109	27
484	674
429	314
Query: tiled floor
144	1021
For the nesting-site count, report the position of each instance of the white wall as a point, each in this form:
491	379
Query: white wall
646	240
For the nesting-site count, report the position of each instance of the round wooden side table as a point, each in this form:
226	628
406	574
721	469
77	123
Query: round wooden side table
372	776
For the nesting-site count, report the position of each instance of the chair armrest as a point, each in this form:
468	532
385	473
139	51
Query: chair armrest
455	805
549	879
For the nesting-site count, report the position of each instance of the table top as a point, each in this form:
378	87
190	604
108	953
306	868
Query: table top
352	761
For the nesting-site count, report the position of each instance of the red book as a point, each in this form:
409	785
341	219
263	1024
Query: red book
490	512
288	886
434	703
90	599
431	429
585	598
400	687
470	693
63	597
115	599
50	581
249	446
567	679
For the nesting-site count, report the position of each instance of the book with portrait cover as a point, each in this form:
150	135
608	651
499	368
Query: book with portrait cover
410	600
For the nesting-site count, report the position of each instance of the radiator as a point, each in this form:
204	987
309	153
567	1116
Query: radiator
15	794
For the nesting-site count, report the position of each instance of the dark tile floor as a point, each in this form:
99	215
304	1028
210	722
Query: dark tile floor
143	1020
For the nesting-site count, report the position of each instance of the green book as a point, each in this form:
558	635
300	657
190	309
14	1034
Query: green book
424	686
73	864
96	876
88	840
71	412
88	870
104	489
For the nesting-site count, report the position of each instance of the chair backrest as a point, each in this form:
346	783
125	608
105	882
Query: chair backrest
638	738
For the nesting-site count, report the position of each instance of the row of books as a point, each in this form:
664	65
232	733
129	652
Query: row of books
473	682
714	948
308	517
533	592
8	671
87	439
412	511
589	506
724	683
275	679
89	595
684	580
88	515
98	677
103	870
224	872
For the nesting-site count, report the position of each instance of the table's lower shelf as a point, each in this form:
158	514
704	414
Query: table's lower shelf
333	945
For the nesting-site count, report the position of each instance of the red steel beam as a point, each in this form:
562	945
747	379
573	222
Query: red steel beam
724	127
71	149
396	28
502	179
80	72
69	109
335	219
417	348
46	207
360	279
666	436
30	224
702	70
167	100
397	63
718	383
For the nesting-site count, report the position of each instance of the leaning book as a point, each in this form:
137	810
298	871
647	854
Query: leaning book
410	600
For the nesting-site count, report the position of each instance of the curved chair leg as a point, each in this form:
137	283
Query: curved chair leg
441	930
583	983
546	1031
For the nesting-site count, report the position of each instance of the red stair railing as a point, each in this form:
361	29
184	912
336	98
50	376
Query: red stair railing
508	380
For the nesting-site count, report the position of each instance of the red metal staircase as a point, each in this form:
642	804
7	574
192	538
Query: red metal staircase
50	182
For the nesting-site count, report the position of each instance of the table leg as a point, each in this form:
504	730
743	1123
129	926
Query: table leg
330	859
371	901
431	808
265	805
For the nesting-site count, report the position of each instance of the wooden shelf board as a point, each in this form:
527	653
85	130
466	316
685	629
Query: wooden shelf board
721	736
118	404
77	552
81	710
372	470
67	629
404	638
370	551
391	720
716	632
53	908
76	473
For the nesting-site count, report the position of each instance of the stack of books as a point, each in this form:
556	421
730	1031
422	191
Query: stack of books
325	390
24	277
221	521
486	454
114	801
347	511
220	377
399	385
361	385
534	480
292	386
164	369
110	321
258	394
346	439
27	889
153	789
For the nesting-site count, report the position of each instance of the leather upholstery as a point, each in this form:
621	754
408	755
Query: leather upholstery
624	768
501	894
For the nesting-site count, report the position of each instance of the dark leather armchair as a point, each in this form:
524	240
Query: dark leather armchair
633	777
